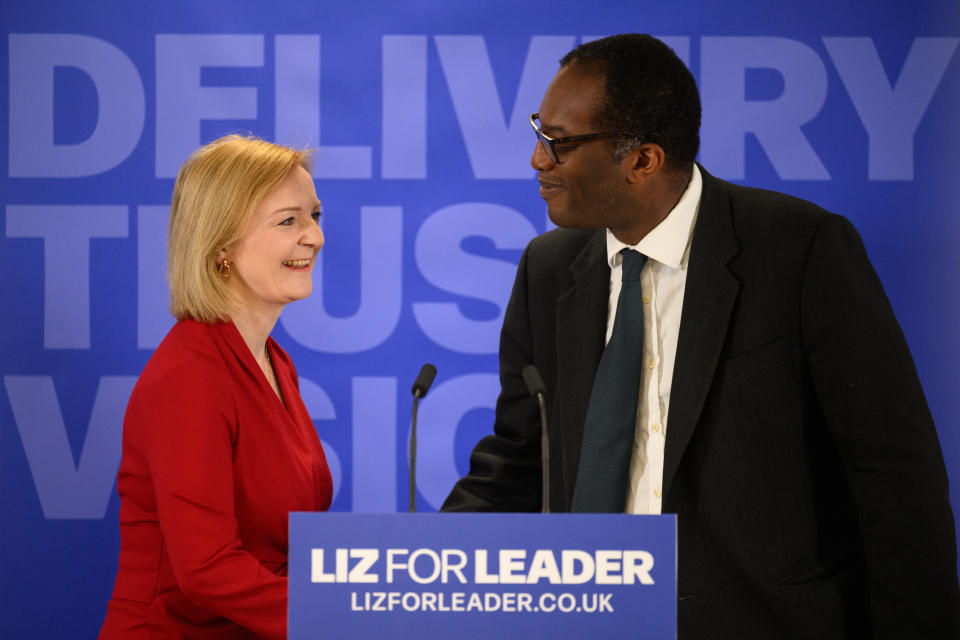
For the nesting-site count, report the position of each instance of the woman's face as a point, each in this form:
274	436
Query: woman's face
272	262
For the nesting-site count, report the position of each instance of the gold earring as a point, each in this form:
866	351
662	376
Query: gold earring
224	269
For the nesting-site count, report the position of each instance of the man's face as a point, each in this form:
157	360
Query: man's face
587	188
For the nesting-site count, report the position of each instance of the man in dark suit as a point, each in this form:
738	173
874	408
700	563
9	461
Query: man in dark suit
799	454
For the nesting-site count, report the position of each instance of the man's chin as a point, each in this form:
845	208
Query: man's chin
563	219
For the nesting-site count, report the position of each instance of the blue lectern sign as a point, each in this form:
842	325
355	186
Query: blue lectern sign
481	576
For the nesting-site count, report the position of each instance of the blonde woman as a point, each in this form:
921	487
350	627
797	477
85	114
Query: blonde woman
217	445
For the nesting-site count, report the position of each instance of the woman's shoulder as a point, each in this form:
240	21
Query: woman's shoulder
189	354
187	375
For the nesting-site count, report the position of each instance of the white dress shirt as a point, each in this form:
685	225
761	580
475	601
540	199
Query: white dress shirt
663	278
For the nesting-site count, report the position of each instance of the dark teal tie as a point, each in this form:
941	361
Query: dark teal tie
608	431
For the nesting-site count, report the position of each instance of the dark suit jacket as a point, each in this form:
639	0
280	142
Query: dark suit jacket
800	456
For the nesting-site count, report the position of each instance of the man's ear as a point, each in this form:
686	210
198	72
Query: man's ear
644	162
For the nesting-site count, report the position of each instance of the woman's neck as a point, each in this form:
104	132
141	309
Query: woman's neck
255	326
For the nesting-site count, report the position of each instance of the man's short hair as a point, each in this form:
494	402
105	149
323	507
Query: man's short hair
648	90
216	192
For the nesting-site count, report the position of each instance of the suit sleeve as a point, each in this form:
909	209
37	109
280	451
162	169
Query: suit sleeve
505	468
188	431
870	394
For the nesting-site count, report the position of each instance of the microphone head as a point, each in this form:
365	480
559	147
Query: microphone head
531	376
424	380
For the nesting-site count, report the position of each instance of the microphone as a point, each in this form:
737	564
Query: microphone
423	381
531	377
419	390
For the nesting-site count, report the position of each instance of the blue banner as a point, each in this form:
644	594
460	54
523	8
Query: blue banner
482	575
418	111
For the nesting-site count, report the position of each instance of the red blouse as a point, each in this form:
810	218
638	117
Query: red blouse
212	464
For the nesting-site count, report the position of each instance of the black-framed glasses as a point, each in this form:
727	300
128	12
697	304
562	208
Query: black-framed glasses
549	144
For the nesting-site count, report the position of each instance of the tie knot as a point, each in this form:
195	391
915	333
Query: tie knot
633	262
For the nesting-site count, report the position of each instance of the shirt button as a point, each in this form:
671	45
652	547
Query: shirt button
656	427
646	299
651	363
656	493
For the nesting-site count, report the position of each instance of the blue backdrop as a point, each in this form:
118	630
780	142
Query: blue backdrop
419	111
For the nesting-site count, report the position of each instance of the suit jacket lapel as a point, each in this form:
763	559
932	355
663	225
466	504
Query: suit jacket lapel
708	301
581	326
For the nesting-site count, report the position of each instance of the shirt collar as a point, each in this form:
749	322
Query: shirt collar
667	242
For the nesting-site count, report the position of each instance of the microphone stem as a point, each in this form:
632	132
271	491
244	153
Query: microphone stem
413	454
544	455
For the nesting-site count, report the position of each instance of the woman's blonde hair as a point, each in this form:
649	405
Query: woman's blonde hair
216	192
